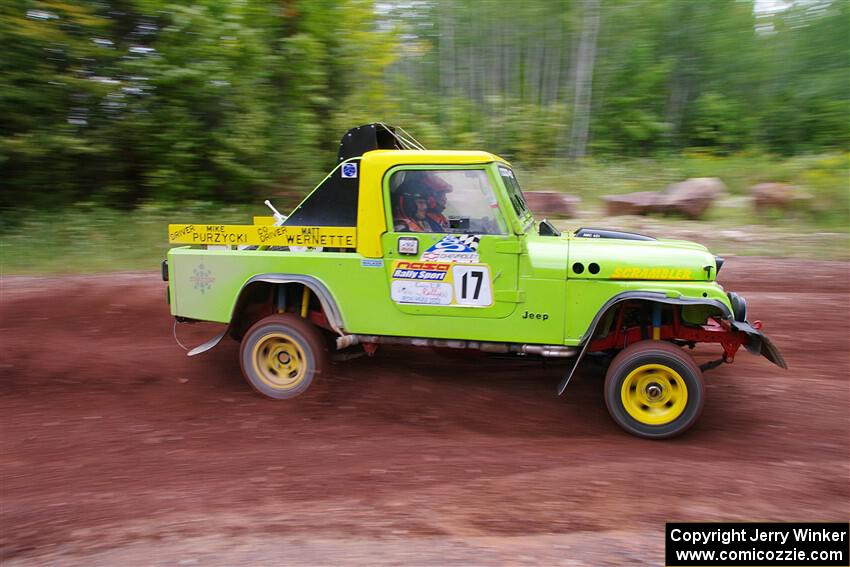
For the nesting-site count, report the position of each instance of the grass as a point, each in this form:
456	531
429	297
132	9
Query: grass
84	238
824	176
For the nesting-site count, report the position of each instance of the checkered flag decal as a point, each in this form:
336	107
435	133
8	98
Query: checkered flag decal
470	240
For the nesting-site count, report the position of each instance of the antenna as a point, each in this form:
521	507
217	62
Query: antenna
278	218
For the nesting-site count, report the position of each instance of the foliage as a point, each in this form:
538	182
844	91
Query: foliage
123	102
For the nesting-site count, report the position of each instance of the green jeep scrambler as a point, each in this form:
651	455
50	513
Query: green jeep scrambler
402	245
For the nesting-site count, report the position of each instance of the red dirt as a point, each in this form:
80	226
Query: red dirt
117	449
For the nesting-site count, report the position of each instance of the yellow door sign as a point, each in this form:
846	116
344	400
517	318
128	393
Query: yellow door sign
263	235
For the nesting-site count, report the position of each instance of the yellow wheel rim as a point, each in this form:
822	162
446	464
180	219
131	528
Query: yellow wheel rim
279	361
654	394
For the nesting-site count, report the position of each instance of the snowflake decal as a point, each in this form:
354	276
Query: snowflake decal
202	278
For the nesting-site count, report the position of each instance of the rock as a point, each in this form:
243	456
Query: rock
690	198
638	203
737	235
777	195
551	203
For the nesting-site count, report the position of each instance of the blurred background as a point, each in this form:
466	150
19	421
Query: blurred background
122	115
725	122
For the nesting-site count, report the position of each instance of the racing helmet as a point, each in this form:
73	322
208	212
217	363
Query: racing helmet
432	184
405	198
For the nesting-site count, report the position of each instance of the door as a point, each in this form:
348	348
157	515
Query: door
449	251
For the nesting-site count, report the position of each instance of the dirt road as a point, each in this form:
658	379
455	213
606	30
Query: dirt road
116	449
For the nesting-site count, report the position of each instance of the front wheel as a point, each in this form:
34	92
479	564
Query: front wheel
282	355
654	390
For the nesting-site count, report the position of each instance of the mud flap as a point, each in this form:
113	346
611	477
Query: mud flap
760	344
207	345
566	381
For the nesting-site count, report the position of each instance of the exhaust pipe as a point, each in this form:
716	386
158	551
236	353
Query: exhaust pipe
554	351
549	351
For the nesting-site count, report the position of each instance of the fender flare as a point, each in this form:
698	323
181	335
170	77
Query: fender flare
315	285
657	297
654	296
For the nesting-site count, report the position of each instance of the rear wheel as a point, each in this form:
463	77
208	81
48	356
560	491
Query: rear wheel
654	389
282	355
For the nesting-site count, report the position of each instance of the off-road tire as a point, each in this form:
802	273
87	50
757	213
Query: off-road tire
646	367
282	356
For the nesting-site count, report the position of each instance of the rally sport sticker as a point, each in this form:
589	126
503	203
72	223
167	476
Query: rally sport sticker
441	283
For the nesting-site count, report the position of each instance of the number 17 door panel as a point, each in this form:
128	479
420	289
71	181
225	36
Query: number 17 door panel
433	282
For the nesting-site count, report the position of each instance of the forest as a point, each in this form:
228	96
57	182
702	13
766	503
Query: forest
125	102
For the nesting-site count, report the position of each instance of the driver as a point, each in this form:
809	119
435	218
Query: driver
439	190
410	207
434	189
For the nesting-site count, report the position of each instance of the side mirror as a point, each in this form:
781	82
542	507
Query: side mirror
548	229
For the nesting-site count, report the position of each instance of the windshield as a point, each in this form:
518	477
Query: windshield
514	192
